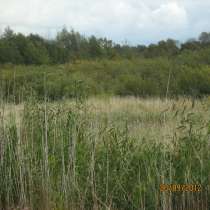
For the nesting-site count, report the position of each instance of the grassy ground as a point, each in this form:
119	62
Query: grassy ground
104	153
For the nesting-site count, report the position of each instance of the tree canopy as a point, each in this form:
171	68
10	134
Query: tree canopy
69	46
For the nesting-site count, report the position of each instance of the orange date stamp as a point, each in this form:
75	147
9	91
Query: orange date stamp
180	188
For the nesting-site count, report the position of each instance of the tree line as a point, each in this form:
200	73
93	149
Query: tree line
69	46
72	65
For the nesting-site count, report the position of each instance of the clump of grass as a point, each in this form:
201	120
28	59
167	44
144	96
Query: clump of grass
68	157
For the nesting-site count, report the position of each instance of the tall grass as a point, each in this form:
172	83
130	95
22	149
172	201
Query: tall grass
78	156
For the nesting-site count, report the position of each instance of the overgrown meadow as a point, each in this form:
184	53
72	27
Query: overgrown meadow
104	153
89	124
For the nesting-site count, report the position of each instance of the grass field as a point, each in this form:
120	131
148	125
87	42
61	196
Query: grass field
104	153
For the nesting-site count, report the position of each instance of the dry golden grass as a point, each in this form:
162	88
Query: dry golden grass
154	118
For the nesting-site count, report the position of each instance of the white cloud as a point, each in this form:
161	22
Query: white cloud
135	20
171	15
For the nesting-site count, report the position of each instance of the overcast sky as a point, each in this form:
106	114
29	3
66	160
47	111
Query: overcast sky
137	21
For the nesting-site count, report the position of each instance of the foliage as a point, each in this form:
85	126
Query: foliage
137	77
103	67
69	46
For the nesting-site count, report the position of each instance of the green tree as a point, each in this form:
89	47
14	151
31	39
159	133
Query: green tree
204	37
95	49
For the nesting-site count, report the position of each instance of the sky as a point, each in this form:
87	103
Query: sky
133	21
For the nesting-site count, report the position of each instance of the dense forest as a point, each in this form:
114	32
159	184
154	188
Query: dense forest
72	64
